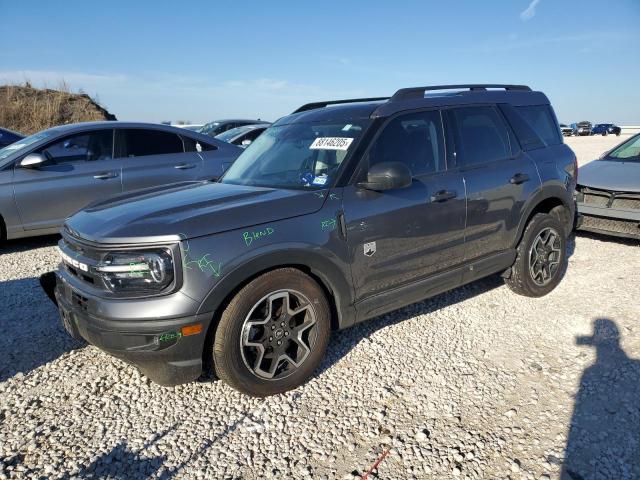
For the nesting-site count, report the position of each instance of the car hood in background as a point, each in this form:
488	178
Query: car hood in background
614	175
187	210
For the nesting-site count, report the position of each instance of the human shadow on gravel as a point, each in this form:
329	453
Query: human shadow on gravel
32	333
344	341
604	434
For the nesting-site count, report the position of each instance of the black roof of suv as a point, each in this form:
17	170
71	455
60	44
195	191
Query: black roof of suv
339	212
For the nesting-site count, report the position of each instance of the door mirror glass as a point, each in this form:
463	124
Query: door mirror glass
387	176
33	160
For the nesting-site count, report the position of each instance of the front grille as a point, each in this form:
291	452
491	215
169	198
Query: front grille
626	227
604	198
596	199
85	255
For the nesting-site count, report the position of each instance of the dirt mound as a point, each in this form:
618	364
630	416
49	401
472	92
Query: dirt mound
29	110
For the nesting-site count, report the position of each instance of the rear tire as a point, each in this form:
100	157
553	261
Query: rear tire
541	259
273	334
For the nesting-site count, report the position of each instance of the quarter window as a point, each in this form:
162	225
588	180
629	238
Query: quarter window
483	136
141	143
84	147
414	139
542	121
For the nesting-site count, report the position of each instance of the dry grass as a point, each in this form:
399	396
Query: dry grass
29	110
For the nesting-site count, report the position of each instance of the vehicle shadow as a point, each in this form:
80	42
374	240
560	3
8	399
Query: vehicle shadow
32	333
24	244
604	434
344	341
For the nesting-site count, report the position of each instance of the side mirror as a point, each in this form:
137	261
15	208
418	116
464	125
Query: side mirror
387	176
245	143
33	160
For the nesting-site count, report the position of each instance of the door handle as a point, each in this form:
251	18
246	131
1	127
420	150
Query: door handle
443	196
184	166
519	178
105	175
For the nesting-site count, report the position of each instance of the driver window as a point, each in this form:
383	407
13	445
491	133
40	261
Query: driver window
415	139
84	147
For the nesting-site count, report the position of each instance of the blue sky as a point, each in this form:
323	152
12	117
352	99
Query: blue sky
202	60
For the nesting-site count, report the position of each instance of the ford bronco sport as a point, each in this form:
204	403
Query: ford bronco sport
339	212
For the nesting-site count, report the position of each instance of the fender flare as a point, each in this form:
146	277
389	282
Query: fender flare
548	192
322	265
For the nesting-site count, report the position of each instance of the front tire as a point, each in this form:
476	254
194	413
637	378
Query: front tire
273	334
541	257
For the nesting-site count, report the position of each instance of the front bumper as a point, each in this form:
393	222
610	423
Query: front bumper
621	222
156	346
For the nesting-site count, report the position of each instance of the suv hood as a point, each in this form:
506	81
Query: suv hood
187	210
614	175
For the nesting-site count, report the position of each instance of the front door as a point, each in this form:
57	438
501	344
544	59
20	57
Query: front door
400	236
80	169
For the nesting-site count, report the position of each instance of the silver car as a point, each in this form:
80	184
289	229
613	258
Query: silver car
608	192
46	177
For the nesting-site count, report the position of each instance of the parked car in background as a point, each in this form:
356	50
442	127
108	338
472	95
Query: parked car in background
243	136
606	129
7	137
193	127
566	130
608	192
337	213
219	126
47	176
583	128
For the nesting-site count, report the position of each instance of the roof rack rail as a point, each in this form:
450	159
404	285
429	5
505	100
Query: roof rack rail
418	92
314	105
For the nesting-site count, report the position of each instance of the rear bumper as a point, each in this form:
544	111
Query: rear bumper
610	221
156	347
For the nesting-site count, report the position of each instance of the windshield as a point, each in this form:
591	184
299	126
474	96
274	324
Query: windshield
298	155
208	128
24	143
234	132
629	150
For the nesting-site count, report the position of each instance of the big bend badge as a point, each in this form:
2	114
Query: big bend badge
370	249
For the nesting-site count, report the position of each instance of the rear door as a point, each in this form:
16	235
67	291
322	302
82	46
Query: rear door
155	157
80	170
499	178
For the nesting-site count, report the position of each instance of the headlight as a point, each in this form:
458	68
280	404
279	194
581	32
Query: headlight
148	271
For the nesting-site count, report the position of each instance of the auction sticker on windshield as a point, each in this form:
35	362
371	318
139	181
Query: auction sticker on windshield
331	143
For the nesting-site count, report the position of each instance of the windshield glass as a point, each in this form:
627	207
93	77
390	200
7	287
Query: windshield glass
208	128
629	150
234	132
24	143
298	155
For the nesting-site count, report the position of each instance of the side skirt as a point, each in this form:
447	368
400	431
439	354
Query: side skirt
417	291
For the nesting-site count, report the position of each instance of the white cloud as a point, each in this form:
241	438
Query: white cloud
530	11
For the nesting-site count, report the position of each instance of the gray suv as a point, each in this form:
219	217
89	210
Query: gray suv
337	213
47	176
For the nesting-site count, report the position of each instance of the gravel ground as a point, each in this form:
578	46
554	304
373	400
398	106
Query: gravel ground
474	383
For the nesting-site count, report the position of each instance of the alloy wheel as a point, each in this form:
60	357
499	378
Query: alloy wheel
544	256
278	334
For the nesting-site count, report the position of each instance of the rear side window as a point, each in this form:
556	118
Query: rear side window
414	139
191	145
527	136
482	136
141	143
541	120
